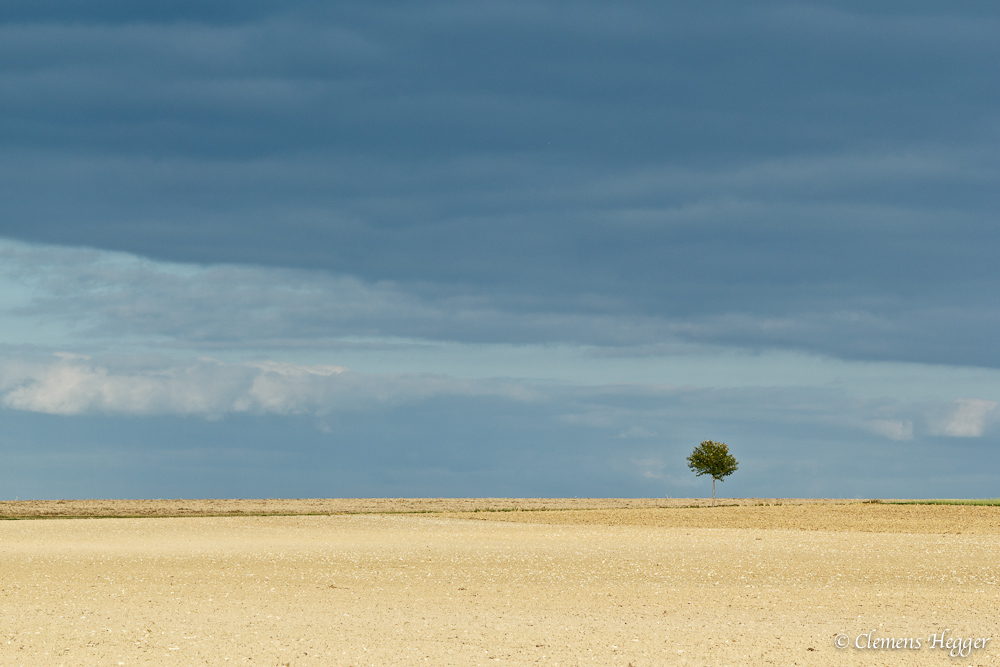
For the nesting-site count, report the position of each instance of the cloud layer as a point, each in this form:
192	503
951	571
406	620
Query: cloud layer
76	385
72	384
783	175
100	295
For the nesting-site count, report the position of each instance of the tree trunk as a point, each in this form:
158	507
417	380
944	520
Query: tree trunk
713	492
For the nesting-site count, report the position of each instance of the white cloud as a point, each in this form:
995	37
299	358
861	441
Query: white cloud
650	468
967	418
73	385
636	432
894	429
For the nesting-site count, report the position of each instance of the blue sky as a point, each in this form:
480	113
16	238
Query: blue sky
294	249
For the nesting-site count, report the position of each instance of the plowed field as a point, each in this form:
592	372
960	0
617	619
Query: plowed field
518	582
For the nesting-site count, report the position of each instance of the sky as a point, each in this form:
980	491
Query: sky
498	249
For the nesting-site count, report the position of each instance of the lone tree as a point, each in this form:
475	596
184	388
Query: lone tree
712	458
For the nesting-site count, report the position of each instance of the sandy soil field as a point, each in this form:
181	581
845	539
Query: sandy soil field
301	506
575	582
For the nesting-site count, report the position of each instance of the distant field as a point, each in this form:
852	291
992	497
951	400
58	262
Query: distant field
952	501
898	516
323	506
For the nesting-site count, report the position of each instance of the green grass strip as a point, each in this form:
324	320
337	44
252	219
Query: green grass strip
993	502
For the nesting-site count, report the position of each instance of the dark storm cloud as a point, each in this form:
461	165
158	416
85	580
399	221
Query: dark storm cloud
818	176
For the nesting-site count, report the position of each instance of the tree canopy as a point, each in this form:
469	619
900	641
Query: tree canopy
712	458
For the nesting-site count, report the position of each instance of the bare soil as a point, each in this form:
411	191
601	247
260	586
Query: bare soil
300	506
548	582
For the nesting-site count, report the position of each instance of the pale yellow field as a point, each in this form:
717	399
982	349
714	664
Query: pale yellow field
618	583
239	507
